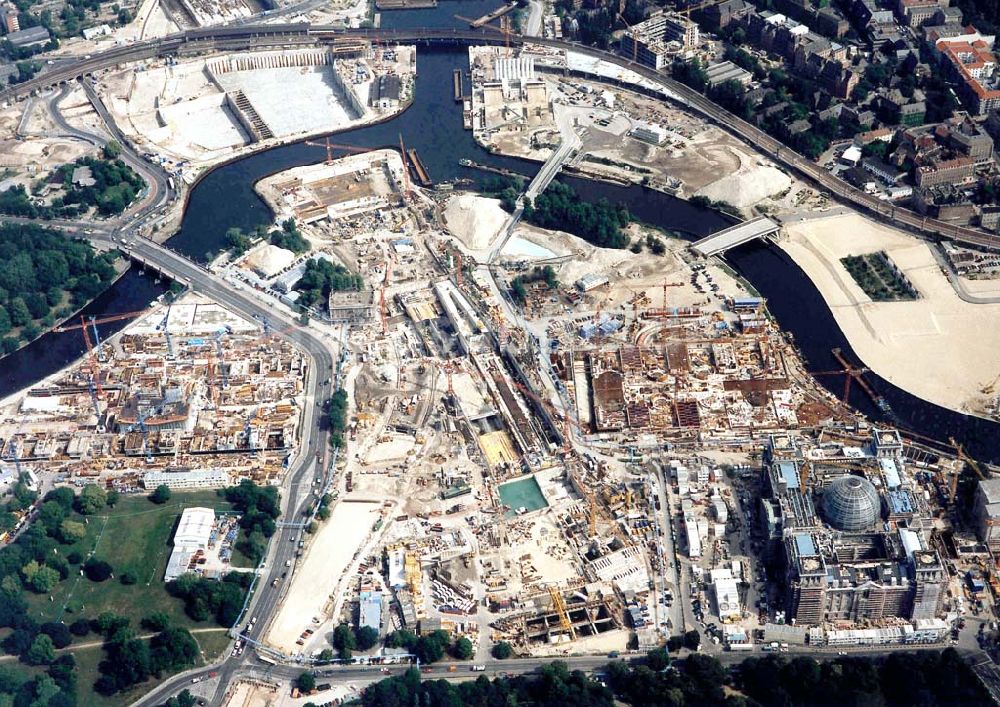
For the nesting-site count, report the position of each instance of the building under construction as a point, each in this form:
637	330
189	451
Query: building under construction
187	386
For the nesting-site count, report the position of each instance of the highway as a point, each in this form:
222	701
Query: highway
297	487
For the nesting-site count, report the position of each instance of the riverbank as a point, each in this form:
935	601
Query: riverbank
937	347
122	266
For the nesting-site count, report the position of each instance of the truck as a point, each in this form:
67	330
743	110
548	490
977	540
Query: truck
478	668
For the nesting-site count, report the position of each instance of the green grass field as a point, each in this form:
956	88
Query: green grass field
135	536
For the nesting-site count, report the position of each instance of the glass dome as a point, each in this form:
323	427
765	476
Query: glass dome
851	503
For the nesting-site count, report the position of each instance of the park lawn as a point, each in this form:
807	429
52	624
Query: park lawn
134	536
88	659
212	643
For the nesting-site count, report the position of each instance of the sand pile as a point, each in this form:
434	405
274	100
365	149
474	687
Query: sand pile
749	185
475	220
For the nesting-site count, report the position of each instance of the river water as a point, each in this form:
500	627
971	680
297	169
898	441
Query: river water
433	126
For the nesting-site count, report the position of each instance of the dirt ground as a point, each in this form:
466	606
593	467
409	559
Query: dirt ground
316	575
937	347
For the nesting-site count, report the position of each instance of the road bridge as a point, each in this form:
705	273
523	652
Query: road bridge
733	236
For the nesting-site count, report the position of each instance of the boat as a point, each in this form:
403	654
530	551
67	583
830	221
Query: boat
521	511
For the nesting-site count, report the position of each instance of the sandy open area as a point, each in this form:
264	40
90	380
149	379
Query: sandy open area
317	574
752	183
938	347
475	220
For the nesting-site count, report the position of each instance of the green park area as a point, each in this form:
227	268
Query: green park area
135	538
876	275
85	616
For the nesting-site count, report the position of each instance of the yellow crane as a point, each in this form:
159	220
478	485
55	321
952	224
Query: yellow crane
968	461
560	606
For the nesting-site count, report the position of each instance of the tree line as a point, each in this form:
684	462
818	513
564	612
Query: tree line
45	277
599	223
904	679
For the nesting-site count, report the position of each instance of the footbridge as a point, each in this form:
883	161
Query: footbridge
733	236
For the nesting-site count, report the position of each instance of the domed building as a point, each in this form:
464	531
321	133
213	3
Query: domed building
851	503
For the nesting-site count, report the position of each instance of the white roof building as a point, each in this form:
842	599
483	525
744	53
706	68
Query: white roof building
197	479
727	597
192	534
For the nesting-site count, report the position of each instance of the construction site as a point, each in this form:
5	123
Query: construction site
505	476
523	101
188	396
196	111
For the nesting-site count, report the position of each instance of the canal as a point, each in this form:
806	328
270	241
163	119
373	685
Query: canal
433	126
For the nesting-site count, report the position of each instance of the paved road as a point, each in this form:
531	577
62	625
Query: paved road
533	26
256	36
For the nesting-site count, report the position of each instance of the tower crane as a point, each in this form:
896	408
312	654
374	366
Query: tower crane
699	6
968	461
635	40
141	417
407	191
560	607
383	310
92	322
331	146
222	361
166	332
248	431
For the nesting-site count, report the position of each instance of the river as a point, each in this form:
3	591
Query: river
433	126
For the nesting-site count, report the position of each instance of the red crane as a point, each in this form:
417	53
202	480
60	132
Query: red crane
331	146
84	323
406	167
95	371
849	375
383	310
92	322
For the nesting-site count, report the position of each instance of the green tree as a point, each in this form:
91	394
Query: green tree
92	499
112	150
19	313
306	682
157	621
502	650
463	649
10	585
160	495
692	639
658	659
97	570
183	699
41	652
44	580
254	546
366	638
70	531
429	649
50	515
172	649
343	641
58	632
